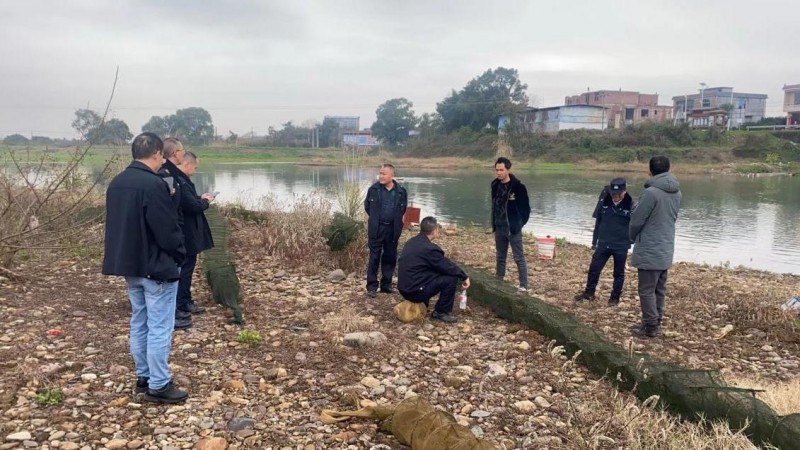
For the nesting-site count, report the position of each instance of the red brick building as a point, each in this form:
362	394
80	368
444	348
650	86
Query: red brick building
624	107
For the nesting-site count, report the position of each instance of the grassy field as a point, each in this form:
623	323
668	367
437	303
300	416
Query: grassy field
709	163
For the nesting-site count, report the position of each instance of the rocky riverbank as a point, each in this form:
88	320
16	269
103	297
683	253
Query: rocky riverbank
65	332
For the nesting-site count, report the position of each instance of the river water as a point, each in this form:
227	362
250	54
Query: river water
724	219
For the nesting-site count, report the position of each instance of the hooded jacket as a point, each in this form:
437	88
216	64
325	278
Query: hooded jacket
612	224
652	229
518	205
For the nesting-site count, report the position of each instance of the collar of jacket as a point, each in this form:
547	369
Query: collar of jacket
511	183
141	166
171	168
378	185
626	202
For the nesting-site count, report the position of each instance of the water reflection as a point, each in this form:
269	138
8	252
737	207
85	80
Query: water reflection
723	219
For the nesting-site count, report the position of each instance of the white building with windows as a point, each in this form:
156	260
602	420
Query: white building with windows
747	108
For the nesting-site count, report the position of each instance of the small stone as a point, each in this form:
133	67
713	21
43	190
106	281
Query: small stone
541	402
480	414
56	436
370	382
524	346
477	431
19	436
235	385
525	406
69	446
206	423
116	444
496	371
241	423
280	274
108	430
245	433
767	348
135	444
364	339
300	357
88	377
337	276
216	443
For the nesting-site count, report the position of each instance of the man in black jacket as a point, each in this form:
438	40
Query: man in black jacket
424	271
196	232
385	205
173	157
144	243
610	239
511	210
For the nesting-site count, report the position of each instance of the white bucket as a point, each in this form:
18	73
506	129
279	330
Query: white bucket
546	247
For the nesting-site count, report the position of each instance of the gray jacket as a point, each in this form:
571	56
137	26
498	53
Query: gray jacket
652	229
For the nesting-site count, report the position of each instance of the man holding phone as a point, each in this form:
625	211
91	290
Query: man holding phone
196	232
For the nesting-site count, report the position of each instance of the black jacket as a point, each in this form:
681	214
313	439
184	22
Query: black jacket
518	206
372	205
420	263
168	169
196	232
142	235
611	224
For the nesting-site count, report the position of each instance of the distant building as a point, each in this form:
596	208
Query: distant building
746	108
791	103
624	107
346	123
557	118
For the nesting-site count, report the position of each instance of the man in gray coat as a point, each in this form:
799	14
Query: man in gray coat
652	232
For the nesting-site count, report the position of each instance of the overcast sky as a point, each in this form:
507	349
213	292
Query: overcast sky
255	64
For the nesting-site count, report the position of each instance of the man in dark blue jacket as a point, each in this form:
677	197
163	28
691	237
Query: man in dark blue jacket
144	244
610	239
511	210
196	232
424	272
385	205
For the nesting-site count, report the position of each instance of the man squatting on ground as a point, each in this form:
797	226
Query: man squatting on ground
511	210
610	239
144	244
385	205
424	272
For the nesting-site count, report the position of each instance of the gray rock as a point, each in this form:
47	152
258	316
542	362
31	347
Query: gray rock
241	423
479	414
337	276
280	274
206	423
364	339
19	436
477	431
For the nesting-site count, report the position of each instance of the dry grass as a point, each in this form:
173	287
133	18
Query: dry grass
347	319
636	425
783	397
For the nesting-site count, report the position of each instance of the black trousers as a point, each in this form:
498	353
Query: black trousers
185	283
383	253
445	286
599	259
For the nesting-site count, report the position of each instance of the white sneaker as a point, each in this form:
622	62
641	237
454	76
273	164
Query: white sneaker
522	289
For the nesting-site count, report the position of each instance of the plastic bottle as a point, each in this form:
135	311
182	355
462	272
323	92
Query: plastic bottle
462	300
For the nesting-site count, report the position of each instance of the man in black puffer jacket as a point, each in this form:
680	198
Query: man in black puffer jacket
610	239
511	209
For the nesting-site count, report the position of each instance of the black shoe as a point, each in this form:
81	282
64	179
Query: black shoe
444	317
182	324
613	301
141	385
372	294
182	315
584	296
649	331
389	290
194	309
167	394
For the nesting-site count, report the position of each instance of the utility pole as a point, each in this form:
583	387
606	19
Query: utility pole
730	113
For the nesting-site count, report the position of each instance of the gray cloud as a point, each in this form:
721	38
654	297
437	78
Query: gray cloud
253	64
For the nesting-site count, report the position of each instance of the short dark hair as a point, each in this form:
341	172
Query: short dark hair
659	165
189	157
504	161
171	145
428	225
146	145
387	166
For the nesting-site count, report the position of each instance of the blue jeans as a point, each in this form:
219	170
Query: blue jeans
501	243
152	321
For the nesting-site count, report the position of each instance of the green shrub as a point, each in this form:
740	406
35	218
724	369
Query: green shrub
50	396
249	337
